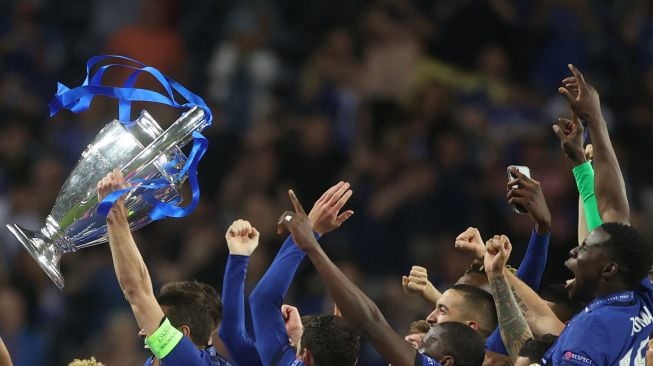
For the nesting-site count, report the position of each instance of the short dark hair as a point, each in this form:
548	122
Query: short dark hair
535	348
330	341
194	304
629	250
463	343
480	307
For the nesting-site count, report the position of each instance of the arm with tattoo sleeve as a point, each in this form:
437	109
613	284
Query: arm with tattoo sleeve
512	324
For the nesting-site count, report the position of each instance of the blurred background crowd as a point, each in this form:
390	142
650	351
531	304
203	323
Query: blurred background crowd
419	104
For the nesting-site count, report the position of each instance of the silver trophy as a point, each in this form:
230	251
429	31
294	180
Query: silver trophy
142	151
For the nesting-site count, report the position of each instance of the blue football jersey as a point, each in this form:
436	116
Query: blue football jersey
423	360
186	353
612	330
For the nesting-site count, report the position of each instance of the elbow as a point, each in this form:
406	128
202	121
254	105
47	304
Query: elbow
258	298
366	324
616	214
131	288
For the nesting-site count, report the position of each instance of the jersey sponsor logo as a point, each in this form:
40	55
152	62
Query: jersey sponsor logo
570	356
428	360
640	322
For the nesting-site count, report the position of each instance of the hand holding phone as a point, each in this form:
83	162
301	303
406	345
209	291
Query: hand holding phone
527	172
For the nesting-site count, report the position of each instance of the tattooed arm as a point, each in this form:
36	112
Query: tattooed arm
512	324
539	316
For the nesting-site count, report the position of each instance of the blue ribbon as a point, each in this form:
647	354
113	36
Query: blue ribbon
79	99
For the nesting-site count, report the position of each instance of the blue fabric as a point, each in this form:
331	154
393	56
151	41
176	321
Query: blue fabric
265	304
79	99
233	332
187	354
530	271
613	330
423	360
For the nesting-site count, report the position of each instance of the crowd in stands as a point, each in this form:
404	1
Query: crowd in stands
419	106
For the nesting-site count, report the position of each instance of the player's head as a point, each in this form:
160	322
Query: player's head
328	341
468	305
416	333
533	350
86	362
192	307
613	257
454	344
475	276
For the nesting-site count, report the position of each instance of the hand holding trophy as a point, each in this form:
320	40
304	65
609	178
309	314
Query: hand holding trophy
148	157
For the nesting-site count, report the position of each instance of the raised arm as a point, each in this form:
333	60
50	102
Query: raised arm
529	195
512	324
357	309
132	274
267	298
541	319
242	240
570	133
609	182
417	283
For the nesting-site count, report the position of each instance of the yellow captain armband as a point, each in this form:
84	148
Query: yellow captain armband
164	339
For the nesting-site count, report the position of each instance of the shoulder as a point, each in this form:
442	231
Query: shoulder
585	332
211	357
645	289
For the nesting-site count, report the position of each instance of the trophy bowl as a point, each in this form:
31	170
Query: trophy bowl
143	151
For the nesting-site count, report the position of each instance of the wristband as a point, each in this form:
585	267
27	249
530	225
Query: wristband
164	339
584	176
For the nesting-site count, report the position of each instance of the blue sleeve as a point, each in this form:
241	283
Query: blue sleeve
530	271
233	332
422	360
494	343
185	353
532	266
265	305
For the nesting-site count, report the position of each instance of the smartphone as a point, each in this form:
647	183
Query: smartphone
527	172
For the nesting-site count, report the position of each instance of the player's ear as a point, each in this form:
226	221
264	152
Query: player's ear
447	361
185	330
306	357
473	324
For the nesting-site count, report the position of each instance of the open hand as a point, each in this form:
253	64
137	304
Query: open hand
528	194
325	215
470	241
570	133
496	255
298	224
242	238
582	97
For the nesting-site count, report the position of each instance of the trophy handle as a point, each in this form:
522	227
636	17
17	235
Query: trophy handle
44	252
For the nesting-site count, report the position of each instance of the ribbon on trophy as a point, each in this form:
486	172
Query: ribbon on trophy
79	99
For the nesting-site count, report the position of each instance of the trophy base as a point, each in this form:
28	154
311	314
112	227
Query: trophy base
43	252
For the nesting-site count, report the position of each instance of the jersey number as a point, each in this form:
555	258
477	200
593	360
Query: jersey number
640	359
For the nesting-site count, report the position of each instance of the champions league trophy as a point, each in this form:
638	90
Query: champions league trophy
153	165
